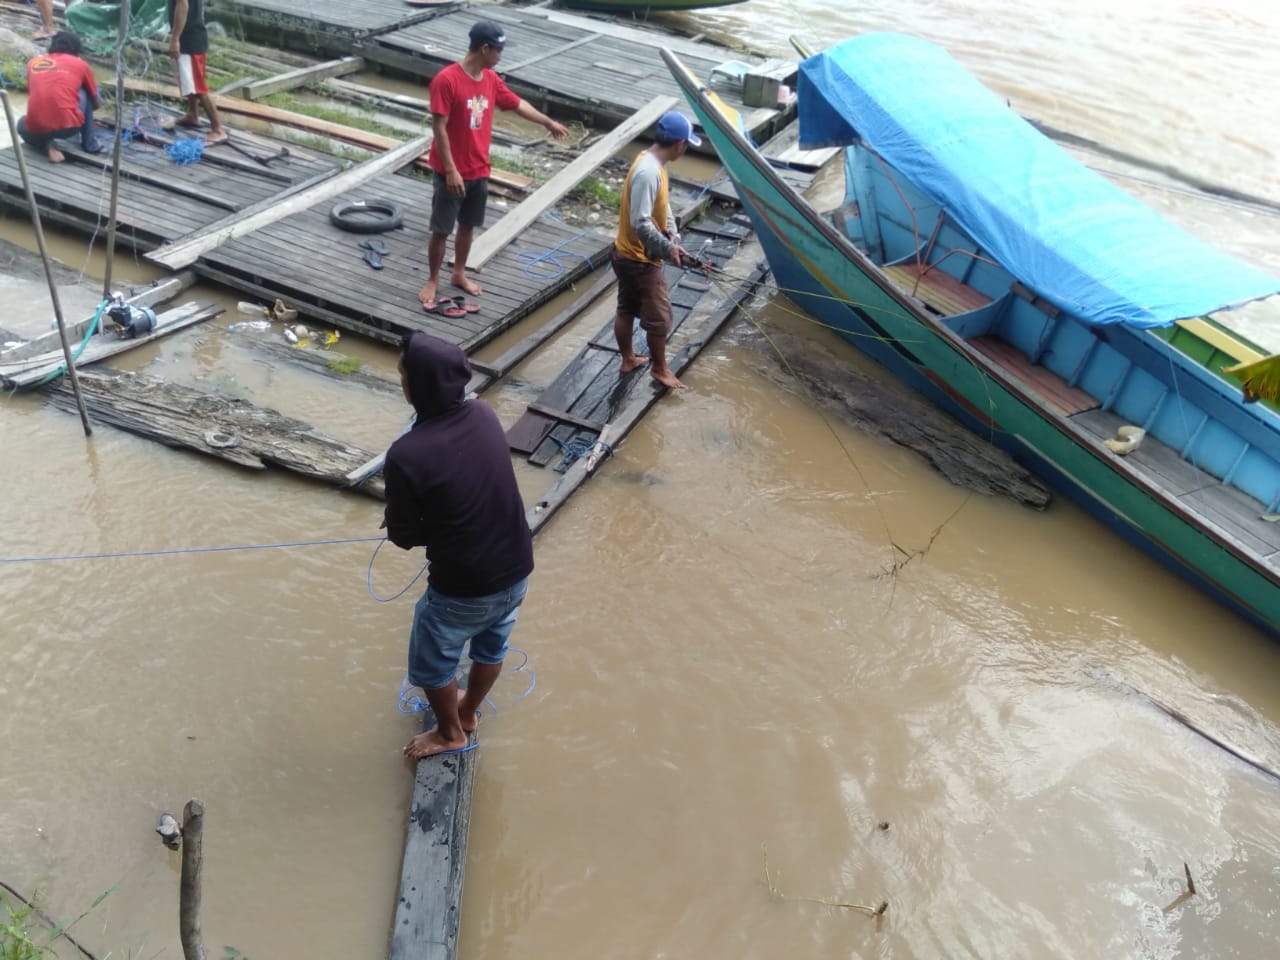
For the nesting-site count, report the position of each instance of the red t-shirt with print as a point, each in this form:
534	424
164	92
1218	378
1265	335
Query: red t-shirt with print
469	106
53	91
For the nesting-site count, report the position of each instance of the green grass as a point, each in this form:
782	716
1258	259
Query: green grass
286	101
13	73
18	942
597	190
344	365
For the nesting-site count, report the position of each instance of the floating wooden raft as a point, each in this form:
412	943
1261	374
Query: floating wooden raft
589	391
569	65
159	200
217	426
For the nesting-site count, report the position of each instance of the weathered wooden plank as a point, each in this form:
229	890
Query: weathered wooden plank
643	397
435	854
565	416
25	373
338	131
491	241
1159	462
303	75
217	426
186	251
163	289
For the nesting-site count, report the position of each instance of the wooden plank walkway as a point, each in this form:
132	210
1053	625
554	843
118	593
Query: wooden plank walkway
589	392
320	25
159	200
569	65
319	268
429	906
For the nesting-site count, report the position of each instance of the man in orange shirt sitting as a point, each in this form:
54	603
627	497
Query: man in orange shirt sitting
61	97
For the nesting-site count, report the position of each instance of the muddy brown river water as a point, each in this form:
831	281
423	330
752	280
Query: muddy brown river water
722	666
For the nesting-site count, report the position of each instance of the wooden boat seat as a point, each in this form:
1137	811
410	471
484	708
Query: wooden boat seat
940	291
1041	380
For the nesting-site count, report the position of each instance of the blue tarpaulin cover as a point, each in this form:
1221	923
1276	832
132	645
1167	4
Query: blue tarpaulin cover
1063	230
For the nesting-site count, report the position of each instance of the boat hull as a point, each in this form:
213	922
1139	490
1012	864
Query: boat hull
834	282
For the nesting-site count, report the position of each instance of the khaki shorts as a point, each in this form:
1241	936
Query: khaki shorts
643	293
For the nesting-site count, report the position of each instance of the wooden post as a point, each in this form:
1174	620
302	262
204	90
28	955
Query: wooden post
189	892
20	153
115	151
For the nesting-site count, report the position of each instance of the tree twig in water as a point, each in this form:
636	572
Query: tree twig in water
781	897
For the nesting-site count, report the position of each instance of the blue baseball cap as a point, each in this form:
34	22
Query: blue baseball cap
676	126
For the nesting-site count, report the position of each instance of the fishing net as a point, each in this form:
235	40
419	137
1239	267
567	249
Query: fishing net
97	24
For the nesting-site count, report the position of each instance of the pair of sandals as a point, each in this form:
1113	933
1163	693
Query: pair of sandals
450	307
374	251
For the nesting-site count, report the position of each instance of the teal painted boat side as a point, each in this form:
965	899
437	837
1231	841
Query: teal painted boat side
825	273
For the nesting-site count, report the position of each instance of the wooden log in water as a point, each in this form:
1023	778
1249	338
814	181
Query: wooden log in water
218	426
898	415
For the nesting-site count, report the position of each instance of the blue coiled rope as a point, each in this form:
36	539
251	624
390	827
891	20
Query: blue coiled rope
551	258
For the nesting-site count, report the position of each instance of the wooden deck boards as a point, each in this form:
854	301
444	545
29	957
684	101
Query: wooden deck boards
1041	381
149	213
590	387
939	290
320	269
1234	512
325	22
569	63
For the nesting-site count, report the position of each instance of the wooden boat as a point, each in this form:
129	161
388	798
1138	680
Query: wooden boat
1031	298
643	6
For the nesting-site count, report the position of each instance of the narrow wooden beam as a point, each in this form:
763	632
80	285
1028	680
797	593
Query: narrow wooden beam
506	230
508	360
300	121
566	417
186	251
25	373
164	289
643	396
303	75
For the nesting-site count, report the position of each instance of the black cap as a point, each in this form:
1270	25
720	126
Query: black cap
487	33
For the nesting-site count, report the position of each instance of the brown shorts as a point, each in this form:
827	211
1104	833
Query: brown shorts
643	293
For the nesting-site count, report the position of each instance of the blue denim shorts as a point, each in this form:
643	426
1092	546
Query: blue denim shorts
442	626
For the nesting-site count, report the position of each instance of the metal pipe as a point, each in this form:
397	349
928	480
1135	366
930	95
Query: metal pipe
115	151
20	153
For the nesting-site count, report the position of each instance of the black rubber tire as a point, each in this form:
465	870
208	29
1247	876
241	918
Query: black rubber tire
392	216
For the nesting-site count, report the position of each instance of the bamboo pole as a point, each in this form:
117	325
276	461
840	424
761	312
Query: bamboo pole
20	153
115	150
189	891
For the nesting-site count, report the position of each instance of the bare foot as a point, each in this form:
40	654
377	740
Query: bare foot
470	718
634	362
43	34
427	295
665	377
55	155
215	137
470	286
430	744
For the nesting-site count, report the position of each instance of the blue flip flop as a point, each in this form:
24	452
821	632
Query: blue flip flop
374	251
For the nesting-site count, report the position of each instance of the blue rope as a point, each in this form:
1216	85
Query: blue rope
168	553
409	702
185	151
551	257
575	449
369	577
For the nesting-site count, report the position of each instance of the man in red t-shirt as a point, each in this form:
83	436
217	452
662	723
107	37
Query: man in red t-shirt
61	96
463	97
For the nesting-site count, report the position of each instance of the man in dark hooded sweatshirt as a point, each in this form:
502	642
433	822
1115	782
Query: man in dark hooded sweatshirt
451	488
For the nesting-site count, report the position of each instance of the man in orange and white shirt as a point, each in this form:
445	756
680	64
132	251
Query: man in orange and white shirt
61	97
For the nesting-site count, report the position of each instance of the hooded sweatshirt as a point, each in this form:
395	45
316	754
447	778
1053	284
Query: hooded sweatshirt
449	480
